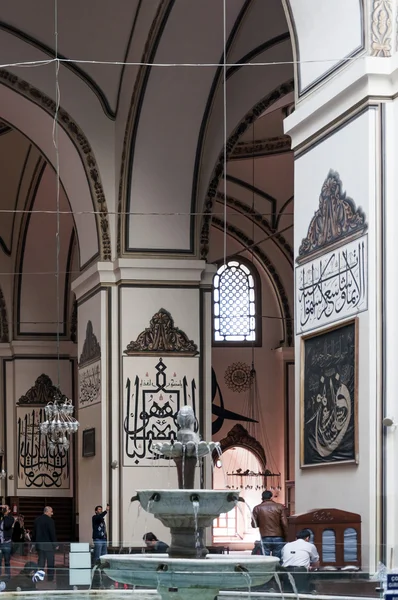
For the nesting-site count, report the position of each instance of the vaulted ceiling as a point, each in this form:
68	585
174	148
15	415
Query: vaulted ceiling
157	133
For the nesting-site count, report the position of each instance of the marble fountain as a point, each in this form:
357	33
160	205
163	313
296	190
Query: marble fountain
188	571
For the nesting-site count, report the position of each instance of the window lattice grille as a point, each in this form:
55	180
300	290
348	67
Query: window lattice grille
234	304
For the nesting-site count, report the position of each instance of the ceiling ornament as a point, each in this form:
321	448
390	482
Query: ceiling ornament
266	147
73	322
381	28
83	147
42	392
91	349
4	332
238	377
336	219
162	337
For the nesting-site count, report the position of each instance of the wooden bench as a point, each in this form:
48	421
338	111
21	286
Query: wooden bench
335	533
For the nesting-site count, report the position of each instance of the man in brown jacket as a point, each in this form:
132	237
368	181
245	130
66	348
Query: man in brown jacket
270	518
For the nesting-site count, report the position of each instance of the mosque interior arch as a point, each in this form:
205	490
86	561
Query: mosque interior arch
118	206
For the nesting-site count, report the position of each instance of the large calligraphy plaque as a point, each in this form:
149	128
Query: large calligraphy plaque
332	287
38	466
155	390
329	396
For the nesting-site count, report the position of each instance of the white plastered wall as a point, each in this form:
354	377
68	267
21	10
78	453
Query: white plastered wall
352	151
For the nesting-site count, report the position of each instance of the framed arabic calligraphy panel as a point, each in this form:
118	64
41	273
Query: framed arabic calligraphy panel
329	389
333	286
155	390
39	467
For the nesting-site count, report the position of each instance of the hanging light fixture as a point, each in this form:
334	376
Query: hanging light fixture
60	422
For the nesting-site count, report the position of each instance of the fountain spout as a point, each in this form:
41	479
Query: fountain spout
187	448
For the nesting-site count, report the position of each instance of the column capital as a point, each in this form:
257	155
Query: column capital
361	81
143	270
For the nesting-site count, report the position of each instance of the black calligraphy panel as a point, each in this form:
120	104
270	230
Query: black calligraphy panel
152	404
328	397
38	465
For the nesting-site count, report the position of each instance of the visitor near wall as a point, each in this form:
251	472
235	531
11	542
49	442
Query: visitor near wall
6	527
100	537
270	518
45	540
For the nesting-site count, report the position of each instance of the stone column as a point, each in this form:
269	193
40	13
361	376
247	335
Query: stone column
152	322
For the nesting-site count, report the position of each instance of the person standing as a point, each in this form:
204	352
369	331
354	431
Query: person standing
18	536
45	539
270	518
99	532
298	557
6	527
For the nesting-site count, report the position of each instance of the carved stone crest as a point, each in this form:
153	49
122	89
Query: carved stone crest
41	393
336	219
162	337
91	348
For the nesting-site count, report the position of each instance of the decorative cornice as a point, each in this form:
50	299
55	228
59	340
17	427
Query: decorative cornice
270	269
239	436
132	115
269	100
336	219
162	337
91	349
266	147
381	27
4	331
83	147
40	394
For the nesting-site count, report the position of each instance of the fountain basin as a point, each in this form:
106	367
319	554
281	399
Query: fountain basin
181	579
179	504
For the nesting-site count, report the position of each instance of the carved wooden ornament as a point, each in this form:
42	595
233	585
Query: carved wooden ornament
91	349
42	392
336	220
162	337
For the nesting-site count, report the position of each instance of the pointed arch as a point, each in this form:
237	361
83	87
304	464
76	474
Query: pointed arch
81	153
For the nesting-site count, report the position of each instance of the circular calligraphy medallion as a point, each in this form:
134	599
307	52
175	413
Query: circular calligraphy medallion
238	377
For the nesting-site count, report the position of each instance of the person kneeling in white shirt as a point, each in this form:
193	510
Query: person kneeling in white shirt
298	557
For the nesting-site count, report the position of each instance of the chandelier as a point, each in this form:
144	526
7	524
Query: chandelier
59	423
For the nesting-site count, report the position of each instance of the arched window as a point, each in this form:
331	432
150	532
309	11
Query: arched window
236	304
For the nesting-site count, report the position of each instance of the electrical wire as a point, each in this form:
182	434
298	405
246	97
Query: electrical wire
76	61
57	169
